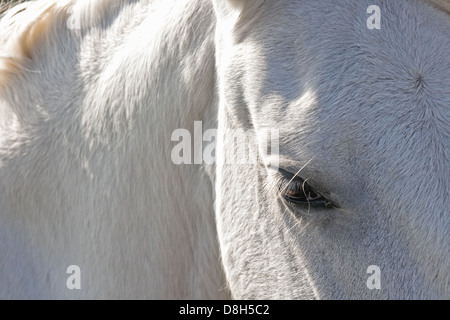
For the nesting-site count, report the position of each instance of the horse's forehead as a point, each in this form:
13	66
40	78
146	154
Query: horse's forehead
349	77
340	91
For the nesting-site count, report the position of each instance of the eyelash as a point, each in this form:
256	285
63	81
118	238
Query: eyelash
289	188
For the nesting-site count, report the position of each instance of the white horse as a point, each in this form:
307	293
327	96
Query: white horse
91	92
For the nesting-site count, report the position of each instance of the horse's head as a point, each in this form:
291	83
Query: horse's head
364	138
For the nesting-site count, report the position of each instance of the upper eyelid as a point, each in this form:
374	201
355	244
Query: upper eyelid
290	176
287	173
286	179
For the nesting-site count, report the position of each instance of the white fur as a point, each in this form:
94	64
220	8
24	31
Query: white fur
86	177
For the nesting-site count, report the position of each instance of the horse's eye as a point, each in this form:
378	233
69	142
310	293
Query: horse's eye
297	192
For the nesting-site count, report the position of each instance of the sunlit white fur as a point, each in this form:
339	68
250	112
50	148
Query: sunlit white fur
86	177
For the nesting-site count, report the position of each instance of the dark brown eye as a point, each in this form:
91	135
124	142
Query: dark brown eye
296	191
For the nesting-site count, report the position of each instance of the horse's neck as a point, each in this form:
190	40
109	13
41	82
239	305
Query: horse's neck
108	149
183	91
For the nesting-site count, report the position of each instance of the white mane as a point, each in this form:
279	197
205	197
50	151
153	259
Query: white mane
33	24
91	98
